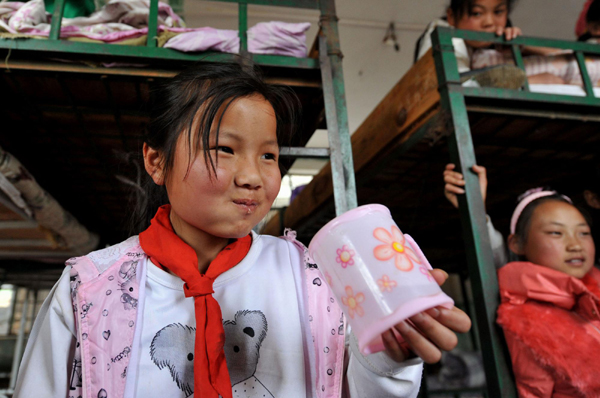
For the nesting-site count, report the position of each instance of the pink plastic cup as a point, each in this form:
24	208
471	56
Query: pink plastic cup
379	275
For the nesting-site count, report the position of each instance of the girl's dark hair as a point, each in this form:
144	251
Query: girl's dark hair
461	7
593	13
198	95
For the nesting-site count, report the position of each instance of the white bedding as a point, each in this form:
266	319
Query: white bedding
564	89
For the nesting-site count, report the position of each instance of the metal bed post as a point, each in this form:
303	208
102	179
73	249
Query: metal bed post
243	26
19	345
330	57
13	307
152	24
484	282
57	15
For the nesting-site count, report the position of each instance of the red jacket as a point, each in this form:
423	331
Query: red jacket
551	324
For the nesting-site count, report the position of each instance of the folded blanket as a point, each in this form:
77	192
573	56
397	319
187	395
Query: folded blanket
277	38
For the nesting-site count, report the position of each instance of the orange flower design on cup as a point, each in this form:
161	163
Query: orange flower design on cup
404	256
386	284
345	256
353	302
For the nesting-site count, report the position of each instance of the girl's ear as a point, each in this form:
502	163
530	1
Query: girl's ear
153	162
514	245
450	17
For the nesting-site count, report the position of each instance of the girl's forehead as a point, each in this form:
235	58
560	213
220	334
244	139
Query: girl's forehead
558	211
489	3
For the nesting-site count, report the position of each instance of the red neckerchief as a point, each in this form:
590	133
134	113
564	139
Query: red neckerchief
166	249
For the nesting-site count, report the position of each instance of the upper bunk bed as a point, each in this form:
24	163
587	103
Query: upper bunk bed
73	112
524	138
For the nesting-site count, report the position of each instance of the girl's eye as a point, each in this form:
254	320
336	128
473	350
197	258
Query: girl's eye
225	149
269	156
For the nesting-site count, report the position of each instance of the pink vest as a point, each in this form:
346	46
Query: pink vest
113	279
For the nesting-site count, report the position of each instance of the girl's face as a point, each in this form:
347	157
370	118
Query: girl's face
594	29
485	16
247	181
559	238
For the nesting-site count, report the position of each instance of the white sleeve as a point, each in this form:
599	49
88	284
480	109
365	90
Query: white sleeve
377	375
47	361
498	247
425	43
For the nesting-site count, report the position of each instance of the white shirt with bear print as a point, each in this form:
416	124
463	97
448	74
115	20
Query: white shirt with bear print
263	334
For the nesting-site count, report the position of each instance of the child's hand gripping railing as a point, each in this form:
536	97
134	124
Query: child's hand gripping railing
442	38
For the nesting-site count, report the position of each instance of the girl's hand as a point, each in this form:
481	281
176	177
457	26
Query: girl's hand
454	183
509	33
429	332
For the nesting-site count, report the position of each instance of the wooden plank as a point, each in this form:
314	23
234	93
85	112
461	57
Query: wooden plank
23	233
405	108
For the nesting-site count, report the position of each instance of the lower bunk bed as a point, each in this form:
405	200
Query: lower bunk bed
524	138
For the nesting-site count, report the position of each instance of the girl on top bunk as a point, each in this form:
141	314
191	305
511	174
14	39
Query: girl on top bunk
550	309
542	65
198	304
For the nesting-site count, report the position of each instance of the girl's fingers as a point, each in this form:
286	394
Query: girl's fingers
453	189
418	343
512	33
454	318
437	333
393	347
450	166
478	169
454	178
439	275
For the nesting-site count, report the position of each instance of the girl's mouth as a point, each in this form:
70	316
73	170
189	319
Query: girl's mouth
247	205
576	262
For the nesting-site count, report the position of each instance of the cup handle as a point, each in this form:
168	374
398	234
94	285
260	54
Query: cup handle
418	250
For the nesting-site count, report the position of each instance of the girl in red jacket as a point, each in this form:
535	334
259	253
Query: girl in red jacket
551	300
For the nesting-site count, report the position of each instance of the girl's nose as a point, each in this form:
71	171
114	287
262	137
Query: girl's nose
248	175
574	244
488	20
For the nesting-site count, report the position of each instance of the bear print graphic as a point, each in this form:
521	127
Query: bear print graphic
243	337
173	347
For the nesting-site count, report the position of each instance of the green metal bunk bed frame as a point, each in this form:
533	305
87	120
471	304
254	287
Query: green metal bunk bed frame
329	63
165	63
453	98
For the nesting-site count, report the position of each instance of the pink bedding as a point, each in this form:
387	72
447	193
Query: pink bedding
127	19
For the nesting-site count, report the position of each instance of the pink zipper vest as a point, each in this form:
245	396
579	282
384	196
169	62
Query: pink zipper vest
111	281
